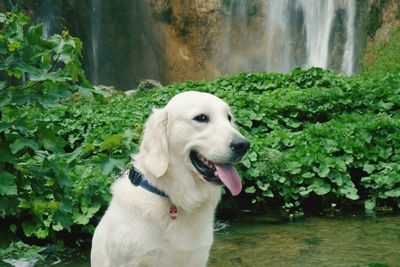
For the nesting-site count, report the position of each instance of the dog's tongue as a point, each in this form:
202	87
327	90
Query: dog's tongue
230	177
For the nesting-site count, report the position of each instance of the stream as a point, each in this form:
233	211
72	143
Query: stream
372	241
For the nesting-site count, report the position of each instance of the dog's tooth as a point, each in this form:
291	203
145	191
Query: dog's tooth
200	157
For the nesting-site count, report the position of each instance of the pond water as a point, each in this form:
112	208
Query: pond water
315	241
349	241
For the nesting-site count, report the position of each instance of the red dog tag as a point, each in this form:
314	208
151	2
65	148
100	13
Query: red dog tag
173	212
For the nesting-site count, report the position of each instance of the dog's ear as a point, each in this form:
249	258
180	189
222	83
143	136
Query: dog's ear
154	146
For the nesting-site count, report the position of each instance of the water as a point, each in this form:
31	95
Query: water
95	34
316	241
348	56
294	33
300	33
49	13
278	47
128	41
318	19
351	241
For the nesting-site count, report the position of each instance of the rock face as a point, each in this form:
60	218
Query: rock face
187	32
176	40
382	16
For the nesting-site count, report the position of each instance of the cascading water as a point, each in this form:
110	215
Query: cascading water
95	37
348	56
318	17
235	24
178	40
303	33
278	37
48	14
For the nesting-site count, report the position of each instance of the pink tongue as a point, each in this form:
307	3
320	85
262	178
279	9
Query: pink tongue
230	177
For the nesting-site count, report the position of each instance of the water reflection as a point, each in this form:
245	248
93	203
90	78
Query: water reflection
270	241
351	241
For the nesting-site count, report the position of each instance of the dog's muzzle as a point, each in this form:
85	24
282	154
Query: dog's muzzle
224	172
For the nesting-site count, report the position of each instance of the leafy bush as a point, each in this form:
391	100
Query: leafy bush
318	136
37	194
315	135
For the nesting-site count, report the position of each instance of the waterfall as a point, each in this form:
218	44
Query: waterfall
234	36
278	36
318	17
348	55
301	33
95	32
48	14
127	41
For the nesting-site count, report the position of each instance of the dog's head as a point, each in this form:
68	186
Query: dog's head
194	132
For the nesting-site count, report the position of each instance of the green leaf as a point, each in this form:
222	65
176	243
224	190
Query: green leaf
112	163
2	17
349	191
28	228
293	124
395	193
64	220
7	184
5	154
304	191
308	175
268	193
369	168
323	189
5	99
85	91
21	143
51	142
57	227
13	228
4	126
370	204
322	171
320	187
80	218
250	190
262	186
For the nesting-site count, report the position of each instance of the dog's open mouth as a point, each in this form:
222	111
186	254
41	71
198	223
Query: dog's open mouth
217	173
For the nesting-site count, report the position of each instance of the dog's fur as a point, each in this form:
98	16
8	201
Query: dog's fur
136	229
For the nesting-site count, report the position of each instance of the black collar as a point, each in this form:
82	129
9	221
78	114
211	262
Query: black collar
137	179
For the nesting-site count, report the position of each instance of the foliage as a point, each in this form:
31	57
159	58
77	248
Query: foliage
37	195
316	135
382	58
20	250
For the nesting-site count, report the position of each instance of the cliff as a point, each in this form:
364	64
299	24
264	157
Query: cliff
176	40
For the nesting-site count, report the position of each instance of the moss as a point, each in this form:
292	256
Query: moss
383	58
375	20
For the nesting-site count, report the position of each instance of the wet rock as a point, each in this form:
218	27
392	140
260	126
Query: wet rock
149	84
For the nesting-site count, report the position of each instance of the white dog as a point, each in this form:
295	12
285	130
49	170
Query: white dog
162	212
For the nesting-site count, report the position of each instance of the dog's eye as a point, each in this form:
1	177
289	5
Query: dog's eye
201	118
229	118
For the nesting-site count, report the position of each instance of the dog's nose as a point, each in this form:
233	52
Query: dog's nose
240	146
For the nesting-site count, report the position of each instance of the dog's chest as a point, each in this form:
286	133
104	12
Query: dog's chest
186	241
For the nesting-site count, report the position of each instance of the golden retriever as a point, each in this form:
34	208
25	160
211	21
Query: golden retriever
162	212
